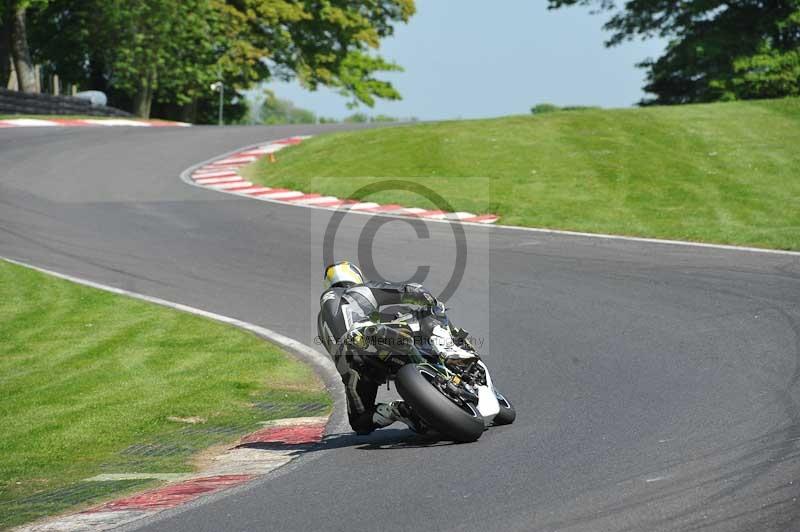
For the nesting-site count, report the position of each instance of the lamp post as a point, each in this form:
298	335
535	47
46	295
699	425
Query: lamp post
219	86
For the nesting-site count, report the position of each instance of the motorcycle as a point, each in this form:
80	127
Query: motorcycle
436	370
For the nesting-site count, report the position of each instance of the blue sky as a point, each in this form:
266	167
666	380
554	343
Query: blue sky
472	59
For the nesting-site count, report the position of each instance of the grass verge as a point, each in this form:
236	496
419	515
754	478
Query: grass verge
725	173
95	383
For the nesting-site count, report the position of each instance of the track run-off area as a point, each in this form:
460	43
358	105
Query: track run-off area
656	384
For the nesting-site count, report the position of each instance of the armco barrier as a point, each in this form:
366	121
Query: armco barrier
22	103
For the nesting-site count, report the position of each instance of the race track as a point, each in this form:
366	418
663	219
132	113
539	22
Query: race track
656	384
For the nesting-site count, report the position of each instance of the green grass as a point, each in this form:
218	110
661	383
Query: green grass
725	173
89	379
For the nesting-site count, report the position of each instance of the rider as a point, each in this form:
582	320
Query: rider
347	300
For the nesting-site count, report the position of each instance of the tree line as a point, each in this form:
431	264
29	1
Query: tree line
160	57
273	110
717	49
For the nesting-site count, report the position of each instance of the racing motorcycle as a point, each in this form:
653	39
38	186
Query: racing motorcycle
436	370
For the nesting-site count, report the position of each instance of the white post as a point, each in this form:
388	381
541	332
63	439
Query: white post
13	84
219	86
221	101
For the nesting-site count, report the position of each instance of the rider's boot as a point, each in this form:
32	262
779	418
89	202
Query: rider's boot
388	413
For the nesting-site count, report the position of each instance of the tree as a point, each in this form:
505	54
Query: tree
356	118
541	108
768	74
277	111
5	45
170	52
384	118
71	39
717	50
14	34
135	51
166	49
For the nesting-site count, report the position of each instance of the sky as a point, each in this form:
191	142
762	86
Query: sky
475	59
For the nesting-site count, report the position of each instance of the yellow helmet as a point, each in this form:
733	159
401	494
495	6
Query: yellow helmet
342	272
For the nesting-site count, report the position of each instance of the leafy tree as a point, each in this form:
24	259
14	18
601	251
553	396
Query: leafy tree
768	74
384	118
14	42
5	45
156	34
542	108
277	111
72	39
170	52
355	79
360	118
148	54
717	49
356	118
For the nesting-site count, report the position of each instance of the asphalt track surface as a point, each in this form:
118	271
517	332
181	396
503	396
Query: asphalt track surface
656	384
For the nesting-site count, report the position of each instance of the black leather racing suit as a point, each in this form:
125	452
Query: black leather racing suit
340	308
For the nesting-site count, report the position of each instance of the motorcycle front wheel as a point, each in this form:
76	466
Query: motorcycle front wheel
416	386
507	413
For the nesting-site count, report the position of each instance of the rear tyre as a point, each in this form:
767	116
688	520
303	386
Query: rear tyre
507	413
437	411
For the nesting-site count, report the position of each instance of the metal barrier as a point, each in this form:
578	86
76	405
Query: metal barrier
22	103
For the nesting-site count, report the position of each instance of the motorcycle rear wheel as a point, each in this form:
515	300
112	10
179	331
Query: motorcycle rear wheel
435	409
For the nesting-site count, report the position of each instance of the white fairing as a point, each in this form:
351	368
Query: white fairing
442	342
488	405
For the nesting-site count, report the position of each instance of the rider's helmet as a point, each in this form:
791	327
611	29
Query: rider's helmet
342	273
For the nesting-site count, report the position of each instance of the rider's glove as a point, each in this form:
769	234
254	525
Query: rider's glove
416	294
461	338
359	340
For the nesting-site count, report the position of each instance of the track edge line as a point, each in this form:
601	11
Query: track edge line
320	363
185	176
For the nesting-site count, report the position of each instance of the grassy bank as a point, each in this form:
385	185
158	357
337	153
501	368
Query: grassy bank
725	173
97	383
